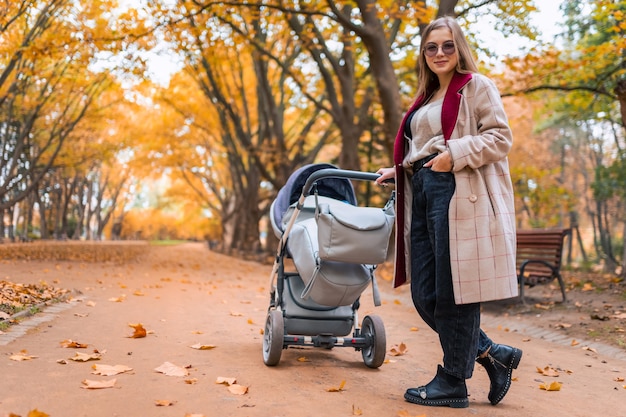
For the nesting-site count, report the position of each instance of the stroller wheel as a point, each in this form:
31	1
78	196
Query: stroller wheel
273	337
373	330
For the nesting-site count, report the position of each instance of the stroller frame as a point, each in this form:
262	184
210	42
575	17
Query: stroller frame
369	339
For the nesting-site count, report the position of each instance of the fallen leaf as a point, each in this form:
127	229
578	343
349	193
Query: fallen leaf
413	329
235	314
356	411
138	293
164	403
170	369
225	380
237	389
22	356
575	342
201	346
553	386
194	415
191	381
588	286
118	299
303	359
68	343
139	330
562	325
404	413
548	371
84	357
337	389
36	413
590	349
89	384
619	379
90	304
109	370
398	350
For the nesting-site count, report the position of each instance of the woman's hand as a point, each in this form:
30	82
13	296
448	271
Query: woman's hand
385	175
440	163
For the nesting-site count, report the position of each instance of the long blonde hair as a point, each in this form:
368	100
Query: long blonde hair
426	79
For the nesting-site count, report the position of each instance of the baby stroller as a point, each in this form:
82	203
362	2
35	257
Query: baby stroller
335	247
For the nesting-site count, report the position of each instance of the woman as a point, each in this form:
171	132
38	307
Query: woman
455	219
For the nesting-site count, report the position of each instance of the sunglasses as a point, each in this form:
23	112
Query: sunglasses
431	49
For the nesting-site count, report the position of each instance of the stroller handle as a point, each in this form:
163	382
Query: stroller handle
336	173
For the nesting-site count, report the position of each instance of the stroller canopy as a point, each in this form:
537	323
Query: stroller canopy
337	188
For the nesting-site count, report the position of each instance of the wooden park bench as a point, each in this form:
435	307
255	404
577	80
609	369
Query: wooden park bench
539	253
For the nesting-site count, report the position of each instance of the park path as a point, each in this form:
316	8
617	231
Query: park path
187	296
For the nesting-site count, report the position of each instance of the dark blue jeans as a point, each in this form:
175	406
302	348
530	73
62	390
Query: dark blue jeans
458	325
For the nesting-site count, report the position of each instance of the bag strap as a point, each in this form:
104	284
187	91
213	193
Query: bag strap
309	286
375	292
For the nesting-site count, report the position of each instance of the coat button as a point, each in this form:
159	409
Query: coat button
473	198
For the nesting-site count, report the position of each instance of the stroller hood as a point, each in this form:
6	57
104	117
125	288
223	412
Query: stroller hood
337	188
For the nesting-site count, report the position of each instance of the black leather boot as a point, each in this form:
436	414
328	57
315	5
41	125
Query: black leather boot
443	390
499	363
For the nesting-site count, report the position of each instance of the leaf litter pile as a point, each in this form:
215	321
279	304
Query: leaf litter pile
16	297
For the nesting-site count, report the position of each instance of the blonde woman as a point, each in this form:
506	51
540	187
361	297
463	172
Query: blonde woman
455	225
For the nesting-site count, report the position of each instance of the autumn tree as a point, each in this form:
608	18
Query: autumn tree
581	83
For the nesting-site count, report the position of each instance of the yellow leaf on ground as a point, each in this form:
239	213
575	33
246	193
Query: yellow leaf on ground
163	403
303	359
68	343
109	370
22	356
337	389
414	329
404	413
201	346
139	330
170	369
553	386
356	411
84	357
118	299
225	380
89	384
191	381
237	389
398	350
548	371
37	413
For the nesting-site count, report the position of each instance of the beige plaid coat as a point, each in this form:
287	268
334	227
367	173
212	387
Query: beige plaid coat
481	213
